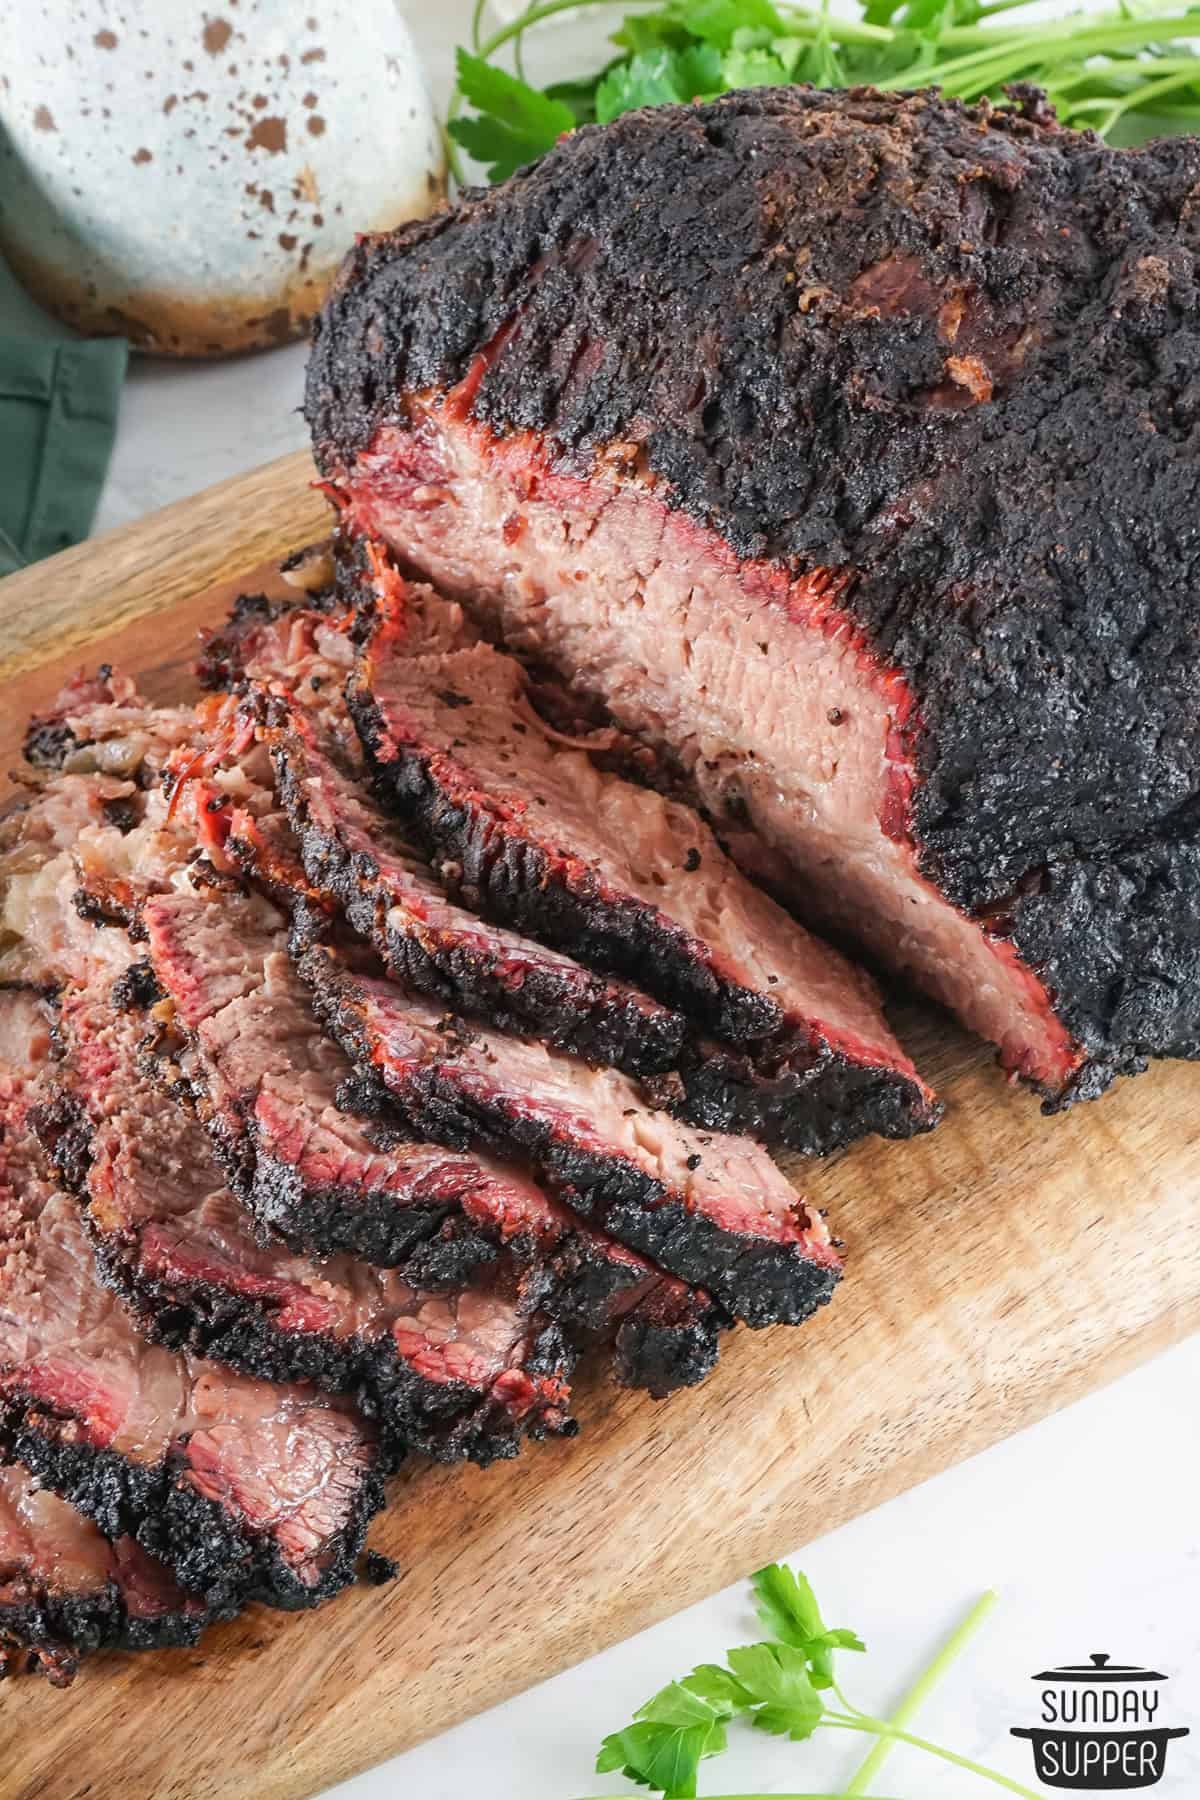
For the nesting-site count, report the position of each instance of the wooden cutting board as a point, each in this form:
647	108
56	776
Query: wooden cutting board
997	1269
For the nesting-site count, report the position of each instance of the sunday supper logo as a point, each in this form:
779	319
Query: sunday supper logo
1100	1727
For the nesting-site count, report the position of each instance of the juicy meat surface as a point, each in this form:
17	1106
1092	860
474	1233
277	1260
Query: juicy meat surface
242	1488
541	837
465	1373
870	517
268	1083
358	856
66	1591
710	1208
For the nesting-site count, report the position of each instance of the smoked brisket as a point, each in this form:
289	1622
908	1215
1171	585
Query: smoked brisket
466	1373
537	835
66	1591
844	445
269	1084
710	1208
242	1489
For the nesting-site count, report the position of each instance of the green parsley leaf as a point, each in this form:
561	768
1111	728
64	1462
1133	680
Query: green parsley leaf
723	1691
753	68
788	1608
778	1678
718	21
653	31
516	124
665	1745
658	77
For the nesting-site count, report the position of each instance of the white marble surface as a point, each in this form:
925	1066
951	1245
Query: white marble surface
1089	1522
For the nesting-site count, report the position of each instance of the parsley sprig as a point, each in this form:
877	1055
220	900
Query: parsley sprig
786	1686
1128	74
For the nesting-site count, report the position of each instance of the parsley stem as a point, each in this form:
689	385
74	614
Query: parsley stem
879	1728
920	1691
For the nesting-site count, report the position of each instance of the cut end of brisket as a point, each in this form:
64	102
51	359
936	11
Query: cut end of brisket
540	836
884	555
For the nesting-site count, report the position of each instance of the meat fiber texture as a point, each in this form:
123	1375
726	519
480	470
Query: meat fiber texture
66	1590
845	445
268	1083
501	1277
541	837
456	1373
295	663
465	1373
710	1208
242	1489
292	663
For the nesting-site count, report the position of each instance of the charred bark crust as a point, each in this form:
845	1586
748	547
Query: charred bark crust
448	1421
1024	562
512	879
812	1100
203	1545
570	1009
762	1282
54	1631
813	1104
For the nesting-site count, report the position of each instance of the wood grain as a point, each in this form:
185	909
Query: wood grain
63	604
997	1269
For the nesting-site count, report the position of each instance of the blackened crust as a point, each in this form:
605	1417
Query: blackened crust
782	1089
513	879
51	1632
811	1103
568	1008
761	1281
449	1421
203	1545
1023	556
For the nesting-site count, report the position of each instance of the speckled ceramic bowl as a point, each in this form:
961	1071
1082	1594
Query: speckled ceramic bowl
189	177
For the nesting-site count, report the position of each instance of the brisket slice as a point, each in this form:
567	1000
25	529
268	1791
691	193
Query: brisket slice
356	857
710	1208
353	853
243	1489
268	1083
66	1591
538	836
870	516
461	1374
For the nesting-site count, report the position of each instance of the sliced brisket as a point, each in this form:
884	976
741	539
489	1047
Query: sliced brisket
241	1488
356	855
839	442
710	1208
461	1374
66	1591
267	1083
537	835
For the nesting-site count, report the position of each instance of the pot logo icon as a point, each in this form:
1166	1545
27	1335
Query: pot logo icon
1100	1727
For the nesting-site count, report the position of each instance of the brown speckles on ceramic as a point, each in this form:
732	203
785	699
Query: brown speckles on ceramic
328	106
215	36
268	134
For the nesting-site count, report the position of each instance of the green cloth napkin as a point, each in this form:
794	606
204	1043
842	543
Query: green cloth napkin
59	398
